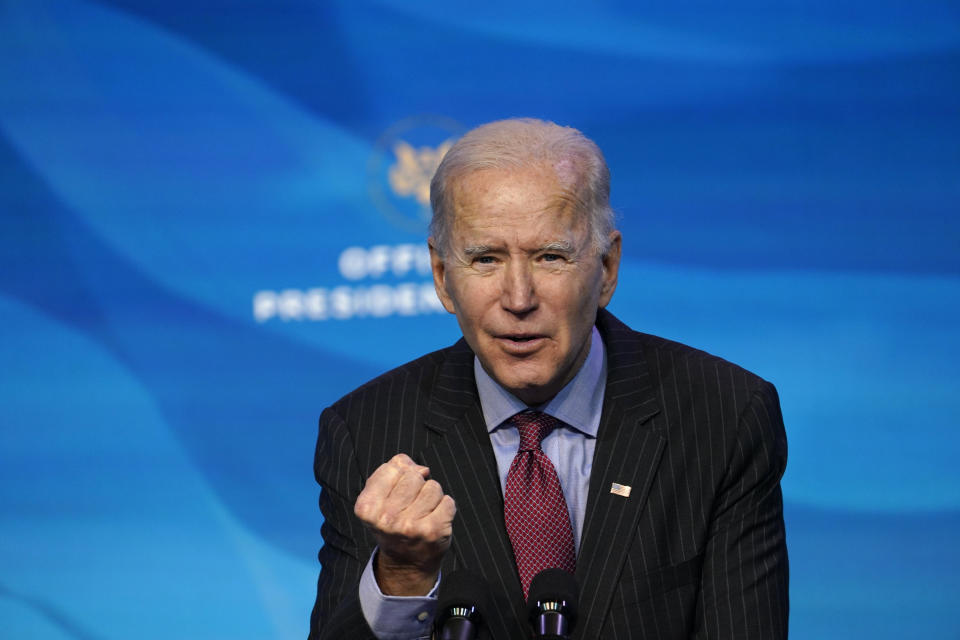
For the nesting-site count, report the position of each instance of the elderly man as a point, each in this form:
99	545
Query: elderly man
551	435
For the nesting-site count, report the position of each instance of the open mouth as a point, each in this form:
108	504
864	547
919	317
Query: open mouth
521	343
520	337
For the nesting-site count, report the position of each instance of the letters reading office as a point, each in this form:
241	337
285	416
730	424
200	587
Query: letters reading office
668	459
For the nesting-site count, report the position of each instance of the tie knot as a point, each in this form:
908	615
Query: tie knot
533	427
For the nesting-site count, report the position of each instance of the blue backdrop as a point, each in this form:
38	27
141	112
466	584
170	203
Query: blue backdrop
212	225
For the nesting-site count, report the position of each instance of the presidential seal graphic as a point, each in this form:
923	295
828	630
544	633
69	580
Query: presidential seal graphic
403	160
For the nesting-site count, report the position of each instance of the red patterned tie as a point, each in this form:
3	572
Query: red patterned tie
535	511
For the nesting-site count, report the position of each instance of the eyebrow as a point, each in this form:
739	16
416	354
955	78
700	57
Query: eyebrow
559	246
476	250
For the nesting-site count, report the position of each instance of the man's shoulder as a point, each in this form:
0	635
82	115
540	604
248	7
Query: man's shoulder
407	382
694	391
668	360
664	347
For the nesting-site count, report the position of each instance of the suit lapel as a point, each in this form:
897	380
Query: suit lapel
461	459
628	452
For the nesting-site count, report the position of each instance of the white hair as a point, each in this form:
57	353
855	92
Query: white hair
525	142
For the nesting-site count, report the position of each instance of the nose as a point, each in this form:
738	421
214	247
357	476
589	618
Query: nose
519	294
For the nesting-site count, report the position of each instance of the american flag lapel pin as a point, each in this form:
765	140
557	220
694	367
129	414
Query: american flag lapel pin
621	490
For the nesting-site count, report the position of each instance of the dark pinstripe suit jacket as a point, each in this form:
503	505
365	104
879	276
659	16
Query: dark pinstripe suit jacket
696	551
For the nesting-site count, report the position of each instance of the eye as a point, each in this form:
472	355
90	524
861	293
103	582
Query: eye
551	257
484	260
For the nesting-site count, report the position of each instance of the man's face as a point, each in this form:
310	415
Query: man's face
523	277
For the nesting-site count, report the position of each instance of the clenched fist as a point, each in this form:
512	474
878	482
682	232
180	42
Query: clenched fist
412	520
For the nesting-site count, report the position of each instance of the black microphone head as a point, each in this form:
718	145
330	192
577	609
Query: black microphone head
554	590
463	599
463	588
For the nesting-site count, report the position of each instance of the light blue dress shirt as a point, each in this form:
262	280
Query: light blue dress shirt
570	448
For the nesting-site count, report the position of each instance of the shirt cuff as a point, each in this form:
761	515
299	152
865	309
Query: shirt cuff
395	617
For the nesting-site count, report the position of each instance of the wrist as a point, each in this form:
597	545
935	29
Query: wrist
397	578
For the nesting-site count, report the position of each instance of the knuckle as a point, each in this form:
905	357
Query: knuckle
401	459
438	532
384	521
380	476
408	529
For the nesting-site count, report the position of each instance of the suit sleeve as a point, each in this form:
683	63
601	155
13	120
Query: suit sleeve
346	543
744	587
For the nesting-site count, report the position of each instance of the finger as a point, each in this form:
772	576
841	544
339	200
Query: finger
444	514
438	522
406	489
441	521
426	500
434	528
404	492
403	461
377	488
380	484
446	511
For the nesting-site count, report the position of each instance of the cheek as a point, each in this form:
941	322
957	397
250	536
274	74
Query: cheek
470	299
577	305
569	297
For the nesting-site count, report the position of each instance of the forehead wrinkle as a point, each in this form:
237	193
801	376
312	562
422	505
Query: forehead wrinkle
569	196
566	194
480	227
479	207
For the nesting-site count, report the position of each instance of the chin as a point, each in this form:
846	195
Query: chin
527	388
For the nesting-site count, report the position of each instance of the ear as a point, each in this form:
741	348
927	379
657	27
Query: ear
439	270
611	268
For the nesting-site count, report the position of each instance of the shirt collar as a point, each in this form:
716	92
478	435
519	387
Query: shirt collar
578	404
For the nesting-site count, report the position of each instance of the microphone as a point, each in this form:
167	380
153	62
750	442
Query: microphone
463	598
553	604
